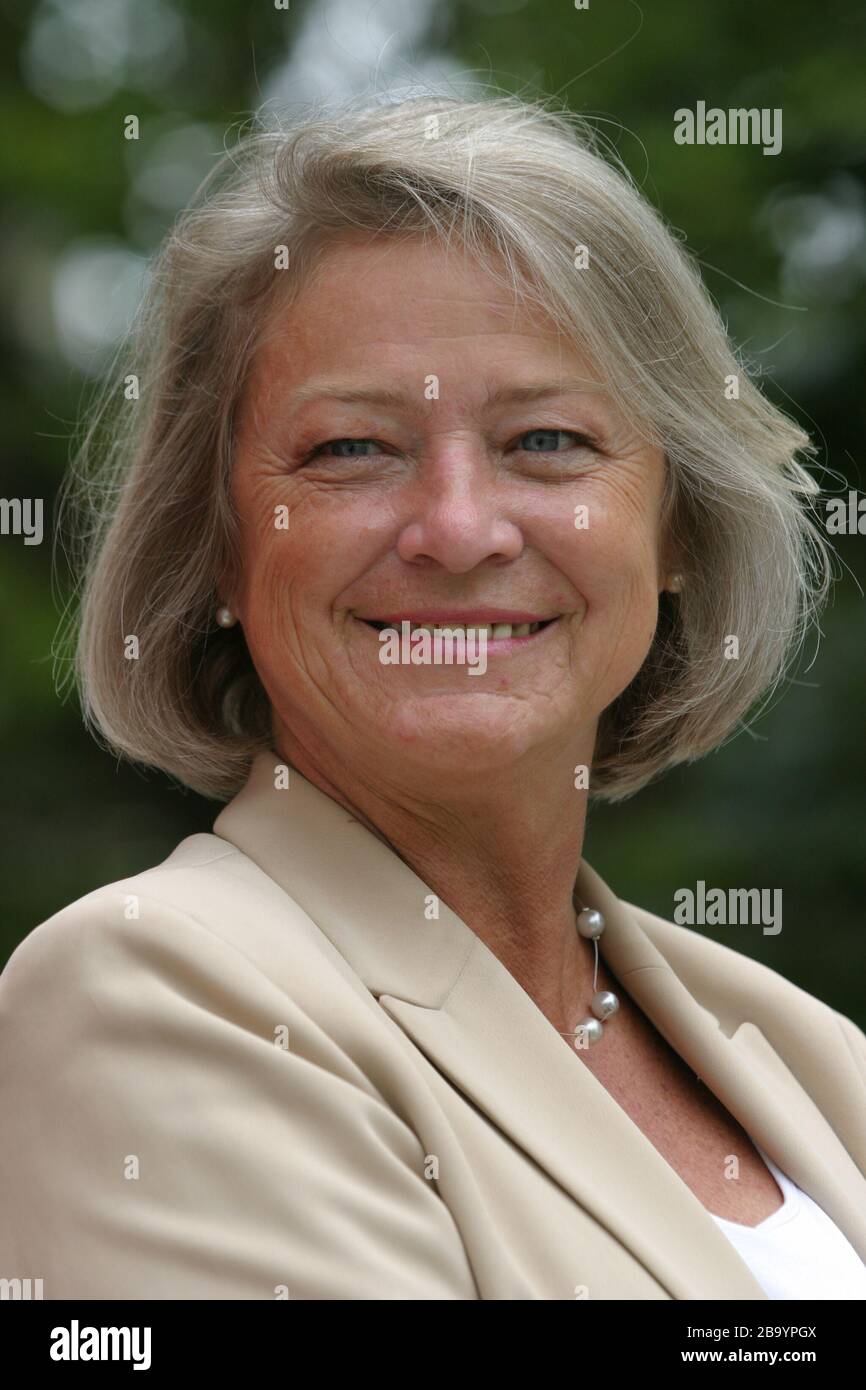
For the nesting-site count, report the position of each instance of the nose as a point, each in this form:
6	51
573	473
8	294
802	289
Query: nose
455	515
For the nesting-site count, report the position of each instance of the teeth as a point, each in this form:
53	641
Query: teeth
493	631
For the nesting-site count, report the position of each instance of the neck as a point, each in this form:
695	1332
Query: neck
502	853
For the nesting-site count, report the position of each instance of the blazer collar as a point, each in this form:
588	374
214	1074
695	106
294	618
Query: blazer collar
457	1002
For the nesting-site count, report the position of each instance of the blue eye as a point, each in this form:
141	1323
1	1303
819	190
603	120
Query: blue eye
553	434
331	443
546	440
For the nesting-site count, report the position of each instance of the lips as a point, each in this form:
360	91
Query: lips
494	631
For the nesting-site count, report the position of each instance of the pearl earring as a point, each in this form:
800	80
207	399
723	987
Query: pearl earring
225	617
675	583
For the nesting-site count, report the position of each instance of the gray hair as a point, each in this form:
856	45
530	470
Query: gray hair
521	185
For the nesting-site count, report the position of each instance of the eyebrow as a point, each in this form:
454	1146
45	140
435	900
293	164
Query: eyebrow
360	395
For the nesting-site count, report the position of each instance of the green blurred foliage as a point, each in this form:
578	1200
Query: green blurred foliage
782	245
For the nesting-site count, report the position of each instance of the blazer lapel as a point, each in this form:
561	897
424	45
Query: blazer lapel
456	1001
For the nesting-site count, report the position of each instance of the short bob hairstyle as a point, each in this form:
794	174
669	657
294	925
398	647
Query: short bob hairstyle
522	186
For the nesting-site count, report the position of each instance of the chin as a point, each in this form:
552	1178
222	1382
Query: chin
467	731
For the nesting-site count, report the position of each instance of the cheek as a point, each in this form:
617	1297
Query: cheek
291	581
304	535
278	553
621	596
267	572
609	564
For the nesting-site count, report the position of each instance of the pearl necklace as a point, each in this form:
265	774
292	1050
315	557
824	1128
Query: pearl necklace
590	924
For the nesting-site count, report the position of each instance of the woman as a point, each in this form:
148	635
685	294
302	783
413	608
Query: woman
385	1034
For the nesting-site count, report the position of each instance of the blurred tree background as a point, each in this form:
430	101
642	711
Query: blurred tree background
782	242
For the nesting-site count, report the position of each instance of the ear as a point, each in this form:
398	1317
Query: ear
227	588
671	575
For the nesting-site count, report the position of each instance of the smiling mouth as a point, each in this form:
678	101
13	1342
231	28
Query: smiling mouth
495	632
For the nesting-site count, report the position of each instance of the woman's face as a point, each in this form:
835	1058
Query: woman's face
412	443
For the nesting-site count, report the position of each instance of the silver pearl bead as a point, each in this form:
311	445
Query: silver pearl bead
588	1032
225	617
590	923
604	1003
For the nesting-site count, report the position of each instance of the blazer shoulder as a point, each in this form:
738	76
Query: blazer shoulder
181	1028
734	986
135	933
203	941
204	935
205	893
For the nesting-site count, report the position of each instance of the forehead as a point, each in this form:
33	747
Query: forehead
378	302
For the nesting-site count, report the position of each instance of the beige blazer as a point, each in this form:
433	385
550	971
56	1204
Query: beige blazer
262	1069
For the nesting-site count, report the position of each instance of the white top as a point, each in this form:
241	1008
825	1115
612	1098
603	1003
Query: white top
798	1252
